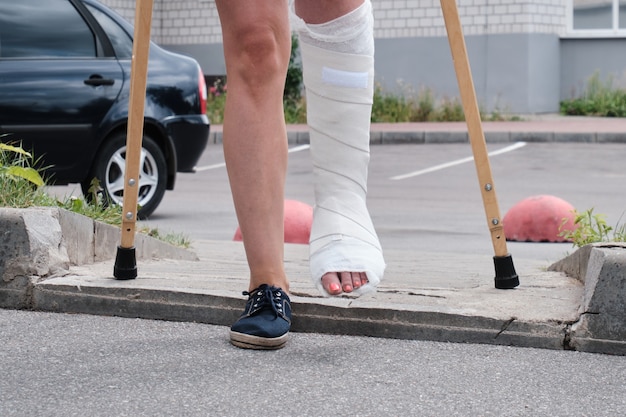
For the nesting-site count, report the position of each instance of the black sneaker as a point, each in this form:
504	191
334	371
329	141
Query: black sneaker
265	321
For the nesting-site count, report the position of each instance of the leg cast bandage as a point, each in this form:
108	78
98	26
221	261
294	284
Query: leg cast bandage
339	92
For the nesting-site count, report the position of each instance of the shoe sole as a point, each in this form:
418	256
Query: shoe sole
246	341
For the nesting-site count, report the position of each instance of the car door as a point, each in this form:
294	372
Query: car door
58	80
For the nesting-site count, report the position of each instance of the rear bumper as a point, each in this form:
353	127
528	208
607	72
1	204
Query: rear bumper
190	135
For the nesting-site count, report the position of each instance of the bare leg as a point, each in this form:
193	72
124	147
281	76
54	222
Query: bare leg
315	12
322	11
257	42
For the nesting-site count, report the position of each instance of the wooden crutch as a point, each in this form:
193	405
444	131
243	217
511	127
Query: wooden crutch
125	260
506	277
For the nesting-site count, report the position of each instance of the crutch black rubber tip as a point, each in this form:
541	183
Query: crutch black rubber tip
125	263
506	277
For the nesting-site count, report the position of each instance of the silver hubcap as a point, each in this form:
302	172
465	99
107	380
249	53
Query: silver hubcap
148	176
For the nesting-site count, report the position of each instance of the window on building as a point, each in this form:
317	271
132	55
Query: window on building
601	17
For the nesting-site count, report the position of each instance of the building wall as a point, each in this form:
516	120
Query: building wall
423	18
516	73
190	22
582	58
520	61
180	22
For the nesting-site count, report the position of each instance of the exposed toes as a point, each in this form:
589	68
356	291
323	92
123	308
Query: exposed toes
331	283
347	283
337	282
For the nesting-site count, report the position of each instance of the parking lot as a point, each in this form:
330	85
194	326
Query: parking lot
439	210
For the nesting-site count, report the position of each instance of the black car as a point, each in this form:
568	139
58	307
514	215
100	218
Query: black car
64	90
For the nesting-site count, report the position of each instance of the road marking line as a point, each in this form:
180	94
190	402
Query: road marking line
299	148
223	164
208	167
513	147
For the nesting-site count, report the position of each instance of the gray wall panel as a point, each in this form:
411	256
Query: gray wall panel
517	73
544	69
582	57
209	56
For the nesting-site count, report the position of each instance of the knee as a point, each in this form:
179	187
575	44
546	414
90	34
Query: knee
262	56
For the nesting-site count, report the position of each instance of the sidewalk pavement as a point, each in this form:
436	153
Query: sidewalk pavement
532	128
54	260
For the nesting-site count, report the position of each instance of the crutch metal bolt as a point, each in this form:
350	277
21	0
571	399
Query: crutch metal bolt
506	277
125	260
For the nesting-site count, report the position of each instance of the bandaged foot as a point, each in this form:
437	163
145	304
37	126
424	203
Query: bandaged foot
338	66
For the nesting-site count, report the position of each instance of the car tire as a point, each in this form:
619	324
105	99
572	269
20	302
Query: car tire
109	169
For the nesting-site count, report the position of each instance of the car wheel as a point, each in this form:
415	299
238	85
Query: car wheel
109	169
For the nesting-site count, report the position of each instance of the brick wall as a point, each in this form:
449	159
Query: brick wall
423	18
124	7
180	22
190	22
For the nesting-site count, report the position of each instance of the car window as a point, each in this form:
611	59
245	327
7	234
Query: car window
43	28
121	41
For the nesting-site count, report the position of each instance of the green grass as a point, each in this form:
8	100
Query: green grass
414	107
593	228
175	239
20	183
597	99
387	107
22	186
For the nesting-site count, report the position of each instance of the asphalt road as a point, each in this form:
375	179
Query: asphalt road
438	211
74	365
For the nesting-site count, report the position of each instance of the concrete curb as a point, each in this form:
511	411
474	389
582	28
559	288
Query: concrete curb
602	323
44	266
310	316
44	242
298	135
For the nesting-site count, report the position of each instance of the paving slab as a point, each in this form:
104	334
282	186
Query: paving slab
423	296
531	128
